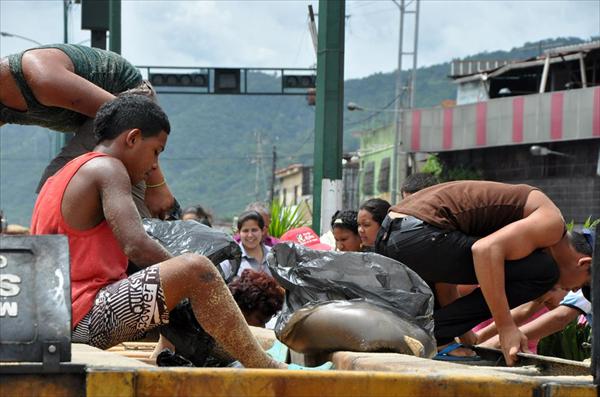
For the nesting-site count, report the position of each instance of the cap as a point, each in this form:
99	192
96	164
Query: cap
306	236
590	237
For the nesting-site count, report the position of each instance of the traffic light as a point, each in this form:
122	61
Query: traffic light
299	81
179	79
311	96
227	81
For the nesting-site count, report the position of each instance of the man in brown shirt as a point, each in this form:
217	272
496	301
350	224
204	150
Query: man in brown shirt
509	239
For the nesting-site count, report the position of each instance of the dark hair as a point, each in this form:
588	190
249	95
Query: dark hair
345	220
250	215
257	291
378	208
580	243
128	112
415	182
201	214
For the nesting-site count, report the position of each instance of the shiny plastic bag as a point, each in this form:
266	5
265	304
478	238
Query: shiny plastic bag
179	237
378	287
355	325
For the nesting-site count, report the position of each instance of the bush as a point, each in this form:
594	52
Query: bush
285	218
572	343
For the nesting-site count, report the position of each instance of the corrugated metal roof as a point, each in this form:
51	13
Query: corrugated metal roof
499	67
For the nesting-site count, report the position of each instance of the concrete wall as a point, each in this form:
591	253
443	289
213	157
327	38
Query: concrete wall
571	182
550	117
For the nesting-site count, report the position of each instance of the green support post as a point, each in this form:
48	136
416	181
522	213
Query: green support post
61	139
114	23
329	113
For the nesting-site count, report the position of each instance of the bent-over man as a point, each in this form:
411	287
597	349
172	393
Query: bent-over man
509	239
61	87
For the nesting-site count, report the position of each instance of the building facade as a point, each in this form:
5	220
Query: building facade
535	121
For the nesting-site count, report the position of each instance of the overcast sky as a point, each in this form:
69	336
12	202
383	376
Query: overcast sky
275	33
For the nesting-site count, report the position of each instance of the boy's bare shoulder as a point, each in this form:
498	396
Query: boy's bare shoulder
105	168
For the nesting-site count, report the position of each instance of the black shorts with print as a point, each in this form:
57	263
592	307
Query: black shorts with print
124	311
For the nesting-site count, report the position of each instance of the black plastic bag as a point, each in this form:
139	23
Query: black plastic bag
189	338
168	358
179	237
312	277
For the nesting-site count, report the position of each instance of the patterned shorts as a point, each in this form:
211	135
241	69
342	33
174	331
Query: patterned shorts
124	311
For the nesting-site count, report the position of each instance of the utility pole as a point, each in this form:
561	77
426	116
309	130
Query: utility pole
61	139
114	26
273	169
327	187
258	166
400	154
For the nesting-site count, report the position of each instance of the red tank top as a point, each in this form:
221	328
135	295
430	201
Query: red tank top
96	256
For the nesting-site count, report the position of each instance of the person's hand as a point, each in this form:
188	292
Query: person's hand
493	342
512	341
159	201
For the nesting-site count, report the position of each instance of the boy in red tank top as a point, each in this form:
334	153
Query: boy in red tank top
90	201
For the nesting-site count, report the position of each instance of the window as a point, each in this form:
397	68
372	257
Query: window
383	182
368	178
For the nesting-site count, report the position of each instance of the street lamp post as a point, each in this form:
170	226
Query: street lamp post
352	106
537	150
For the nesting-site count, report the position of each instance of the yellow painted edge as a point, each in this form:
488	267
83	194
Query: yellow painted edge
253	382
110	383
564	390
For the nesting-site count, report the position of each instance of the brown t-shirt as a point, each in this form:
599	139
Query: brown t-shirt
476	208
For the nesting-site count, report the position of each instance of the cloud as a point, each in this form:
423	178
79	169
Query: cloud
275	33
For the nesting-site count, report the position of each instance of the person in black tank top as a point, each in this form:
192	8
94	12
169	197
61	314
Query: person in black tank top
508	239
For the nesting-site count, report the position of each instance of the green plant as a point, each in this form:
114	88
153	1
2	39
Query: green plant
463	174
572	343
433	166
589	224
285	218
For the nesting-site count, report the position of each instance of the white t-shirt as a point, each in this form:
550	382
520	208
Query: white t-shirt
576	300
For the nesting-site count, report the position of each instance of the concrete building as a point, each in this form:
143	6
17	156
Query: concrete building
536	121
375	156
293	184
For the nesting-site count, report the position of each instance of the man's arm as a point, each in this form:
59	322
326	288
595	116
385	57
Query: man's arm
551	322
547	324
49	74
122	216
519	314
542	228
159	198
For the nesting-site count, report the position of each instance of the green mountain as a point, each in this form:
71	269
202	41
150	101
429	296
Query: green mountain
212	156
